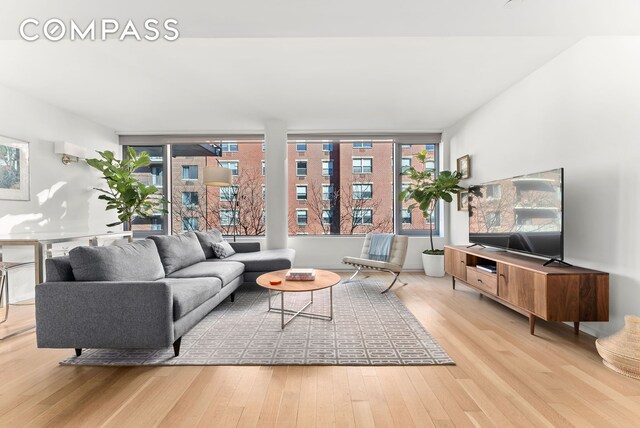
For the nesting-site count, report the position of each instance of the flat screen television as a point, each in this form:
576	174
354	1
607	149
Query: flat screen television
523	213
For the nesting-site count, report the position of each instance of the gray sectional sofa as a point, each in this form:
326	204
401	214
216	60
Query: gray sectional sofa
145	294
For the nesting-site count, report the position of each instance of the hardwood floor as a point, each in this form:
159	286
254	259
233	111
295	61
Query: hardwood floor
503	377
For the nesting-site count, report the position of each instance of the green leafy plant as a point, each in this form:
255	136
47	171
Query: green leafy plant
126	194
426	190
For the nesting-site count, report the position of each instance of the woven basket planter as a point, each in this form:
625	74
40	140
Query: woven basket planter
621	351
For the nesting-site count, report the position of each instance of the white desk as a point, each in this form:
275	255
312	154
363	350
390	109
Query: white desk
42	244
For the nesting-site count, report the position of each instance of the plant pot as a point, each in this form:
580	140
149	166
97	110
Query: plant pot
621	351
433	264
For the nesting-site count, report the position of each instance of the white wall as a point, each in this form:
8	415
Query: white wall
581	111
62	199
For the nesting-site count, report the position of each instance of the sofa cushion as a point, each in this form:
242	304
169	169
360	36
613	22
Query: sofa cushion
189	293
223	249
213	268
134	261
207	239
265	260
178	251
59	269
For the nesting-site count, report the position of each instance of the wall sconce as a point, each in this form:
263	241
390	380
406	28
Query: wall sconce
70	152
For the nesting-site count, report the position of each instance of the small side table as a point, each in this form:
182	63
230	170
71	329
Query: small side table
5	268
324	279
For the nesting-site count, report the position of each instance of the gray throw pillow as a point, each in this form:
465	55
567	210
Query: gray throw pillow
135	261
207	239
223	249
178	251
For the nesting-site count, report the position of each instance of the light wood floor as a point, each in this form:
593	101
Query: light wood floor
503	377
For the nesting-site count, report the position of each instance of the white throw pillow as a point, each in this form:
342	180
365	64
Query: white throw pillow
222	249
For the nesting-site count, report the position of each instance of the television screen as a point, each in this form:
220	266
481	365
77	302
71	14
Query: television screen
522	213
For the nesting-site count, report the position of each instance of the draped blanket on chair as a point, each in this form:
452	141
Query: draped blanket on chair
380	248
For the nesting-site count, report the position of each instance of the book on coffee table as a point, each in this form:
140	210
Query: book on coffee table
300	275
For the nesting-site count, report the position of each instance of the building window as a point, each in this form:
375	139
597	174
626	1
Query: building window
264	192
228	193
362	145
301	192
327	217
362	191
189	223
301	217
301	168
189	172
227	217
493	219
327	192
493	191
406	164
156	223
301	147
189	199
232	165
362	216
156	176
406	216
362	165
264	168
327	147
263	147
228	147
327	167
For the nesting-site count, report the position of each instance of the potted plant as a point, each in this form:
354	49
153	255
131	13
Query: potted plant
125	193
426	191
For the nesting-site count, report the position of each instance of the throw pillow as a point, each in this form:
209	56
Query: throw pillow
223	249
178	251
207	239
135	261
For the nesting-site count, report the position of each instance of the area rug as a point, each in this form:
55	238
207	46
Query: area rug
368	328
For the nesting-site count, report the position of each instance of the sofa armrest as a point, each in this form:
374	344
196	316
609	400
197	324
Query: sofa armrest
132	314
245	247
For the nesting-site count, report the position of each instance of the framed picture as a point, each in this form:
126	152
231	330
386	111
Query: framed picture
14	169
463	165
463	200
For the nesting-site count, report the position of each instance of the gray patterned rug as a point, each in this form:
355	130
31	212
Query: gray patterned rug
368	328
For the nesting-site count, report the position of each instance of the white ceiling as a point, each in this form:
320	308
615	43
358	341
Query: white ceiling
330	65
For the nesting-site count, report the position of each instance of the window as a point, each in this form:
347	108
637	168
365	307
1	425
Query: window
264	192
406	164
156	176
327	167
263	147
301	147
327	192
493	219
362	191
301	168
362	216
227	147
362	145
327	147
156	223
301	193
189	199
327	216
264	169
301	217
228	217
362	165
406	216
190	223
493	191
232	165
189	172
228	193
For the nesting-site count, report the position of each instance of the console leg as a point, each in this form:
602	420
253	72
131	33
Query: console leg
78	352
176	346
576	327
453	282
532	323
233	297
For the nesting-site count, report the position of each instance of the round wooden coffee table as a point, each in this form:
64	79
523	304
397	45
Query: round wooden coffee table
324	279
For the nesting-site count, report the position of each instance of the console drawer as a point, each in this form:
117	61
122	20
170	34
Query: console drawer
484	281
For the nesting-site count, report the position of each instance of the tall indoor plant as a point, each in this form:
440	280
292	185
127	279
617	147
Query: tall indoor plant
426	191
126	194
